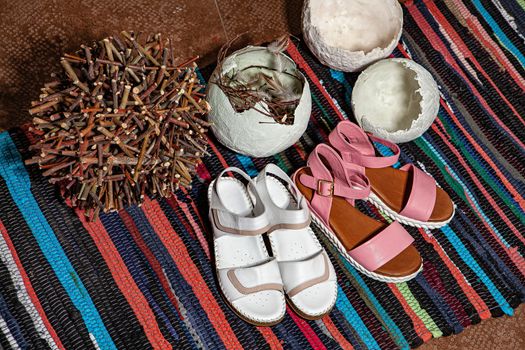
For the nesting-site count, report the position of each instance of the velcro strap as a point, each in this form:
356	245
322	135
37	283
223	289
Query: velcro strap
230	250
299	275
240	225
256	278
383	247
292	224
422	198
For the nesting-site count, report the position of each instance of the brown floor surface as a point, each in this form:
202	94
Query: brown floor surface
36	32
504	333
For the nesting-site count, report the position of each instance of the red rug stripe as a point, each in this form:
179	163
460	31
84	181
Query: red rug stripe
189	271
29	287
125	282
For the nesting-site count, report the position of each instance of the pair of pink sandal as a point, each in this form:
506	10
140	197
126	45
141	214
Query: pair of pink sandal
351	169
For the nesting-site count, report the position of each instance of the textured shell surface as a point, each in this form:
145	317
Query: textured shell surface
250	132
396	99
348	35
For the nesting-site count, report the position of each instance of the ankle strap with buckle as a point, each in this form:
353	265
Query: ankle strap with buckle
330	177
325	188
359	189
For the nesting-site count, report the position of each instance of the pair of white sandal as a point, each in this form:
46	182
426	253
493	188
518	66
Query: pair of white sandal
253	282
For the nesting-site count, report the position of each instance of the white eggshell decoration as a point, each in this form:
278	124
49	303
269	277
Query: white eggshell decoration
348	35
396	99
250	132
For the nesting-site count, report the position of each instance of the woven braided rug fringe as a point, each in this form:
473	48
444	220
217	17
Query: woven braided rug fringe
141	278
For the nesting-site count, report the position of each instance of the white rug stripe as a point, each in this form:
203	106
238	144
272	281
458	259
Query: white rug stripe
4	329
22	294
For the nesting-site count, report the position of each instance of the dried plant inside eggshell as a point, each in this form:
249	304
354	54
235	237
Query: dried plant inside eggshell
247	87
263	119
396	99
348	35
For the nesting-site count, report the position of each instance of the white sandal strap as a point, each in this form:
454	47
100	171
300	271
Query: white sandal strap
241	225
230	251
299	275
278	172
245	280
294	219
229	222
233	169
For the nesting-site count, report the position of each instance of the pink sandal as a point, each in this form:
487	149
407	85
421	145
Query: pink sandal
380	251
407	194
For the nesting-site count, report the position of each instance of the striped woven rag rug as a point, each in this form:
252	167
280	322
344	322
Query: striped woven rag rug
141	278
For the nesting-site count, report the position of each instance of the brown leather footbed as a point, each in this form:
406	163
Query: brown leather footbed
392	186
354	228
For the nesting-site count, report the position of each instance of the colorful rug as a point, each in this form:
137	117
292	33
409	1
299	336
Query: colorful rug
141	278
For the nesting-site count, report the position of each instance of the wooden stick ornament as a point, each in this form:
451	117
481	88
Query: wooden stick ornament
108	128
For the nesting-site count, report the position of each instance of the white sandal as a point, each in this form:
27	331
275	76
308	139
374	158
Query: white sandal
307	273
248	277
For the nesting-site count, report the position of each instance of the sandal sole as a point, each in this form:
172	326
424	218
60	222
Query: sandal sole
385	209
306	316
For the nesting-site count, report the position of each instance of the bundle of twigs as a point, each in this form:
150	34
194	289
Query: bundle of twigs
246	90
122	119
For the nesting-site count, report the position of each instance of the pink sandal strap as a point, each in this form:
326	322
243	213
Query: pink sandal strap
356	146
383	247
330	177
422	195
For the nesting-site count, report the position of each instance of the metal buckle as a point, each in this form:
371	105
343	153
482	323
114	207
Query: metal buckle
320	182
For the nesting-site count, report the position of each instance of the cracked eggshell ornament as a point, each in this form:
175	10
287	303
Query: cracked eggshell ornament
250	132
396	99
348	35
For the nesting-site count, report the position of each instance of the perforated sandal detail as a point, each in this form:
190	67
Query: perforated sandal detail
308	276
248	276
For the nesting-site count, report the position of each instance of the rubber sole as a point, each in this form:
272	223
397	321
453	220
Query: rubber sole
306	316
429	225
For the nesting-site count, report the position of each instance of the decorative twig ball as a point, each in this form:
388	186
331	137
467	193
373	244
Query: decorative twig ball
121	120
